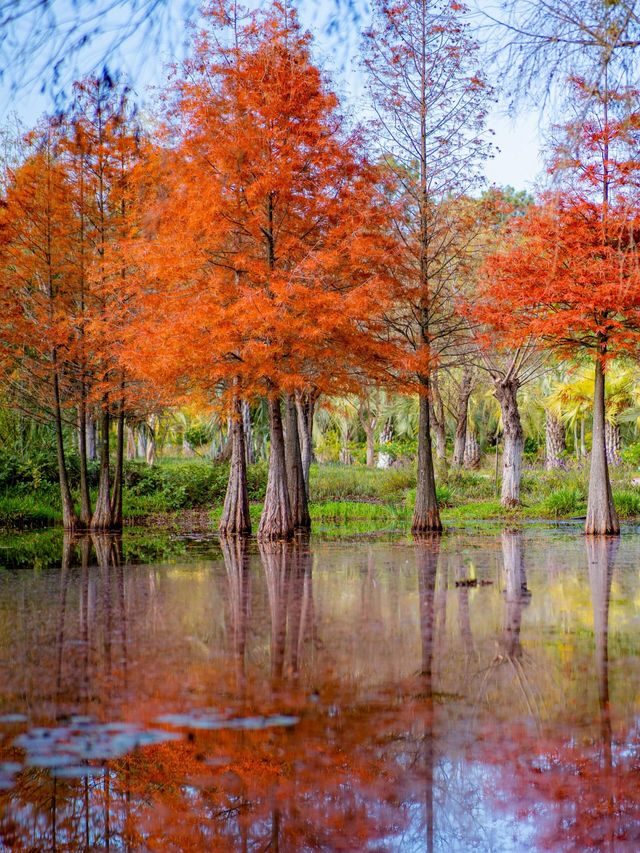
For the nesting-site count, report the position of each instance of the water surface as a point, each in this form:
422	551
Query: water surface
474	692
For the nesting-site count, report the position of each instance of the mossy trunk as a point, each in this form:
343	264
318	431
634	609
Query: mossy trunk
426	517
298	502
602	518
506	392
276	522
235	520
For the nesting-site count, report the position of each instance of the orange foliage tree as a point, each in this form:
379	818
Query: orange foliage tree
262	226
568	275
65	287
37	291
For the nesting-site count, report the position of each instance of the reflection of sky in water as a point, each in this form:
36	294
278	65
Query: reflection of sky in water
349	690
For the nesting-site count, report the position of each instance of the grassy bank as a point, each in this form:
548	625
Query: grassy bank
340	495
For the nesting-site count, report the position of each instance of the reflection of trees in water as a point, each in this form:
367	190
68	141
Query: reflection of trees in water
287	568
235	552
510	657
427	555
92	649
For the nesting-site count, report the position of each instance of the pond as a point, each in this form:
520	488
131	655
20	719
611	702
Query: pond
473	692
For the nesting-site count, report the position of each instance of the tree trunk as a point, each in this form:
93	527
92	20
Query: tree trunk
248	433
141	442
235	520
426	518
85	497
462	412
305	405
92	438
102	515
612	442
131	443
69	518
150	442
439	420
116	498
371	445
506	392
295	474
275	522
583	443
555	443
471	451
601	514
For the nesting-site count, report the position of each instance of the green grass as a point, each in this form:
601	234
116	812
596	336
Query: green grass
27	511
564	502
355	496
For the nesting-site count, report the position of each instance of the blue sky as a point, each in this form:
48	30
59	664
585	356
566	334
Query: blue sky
517	140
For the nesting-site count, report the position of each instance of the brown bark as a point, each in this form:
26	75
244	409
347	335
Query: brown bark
426	517
276	522
555	443
295	475
506	392
69	518
235	520
602	518
102	514
462	413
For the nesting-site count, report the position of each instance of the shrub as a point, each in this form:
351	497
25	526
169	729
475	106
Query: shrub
25	511
627	502
567	500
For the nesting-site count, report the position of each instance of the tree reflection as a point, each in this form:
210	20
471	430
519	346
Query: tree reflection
427	554
235	552
510	655
287	568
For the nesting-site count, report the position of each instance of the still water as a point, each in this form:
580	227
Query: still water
474	692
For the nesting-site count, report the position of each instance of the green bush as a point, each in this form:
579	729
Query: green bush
338	482
631	454
167	487
567	500
26	511
627	502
